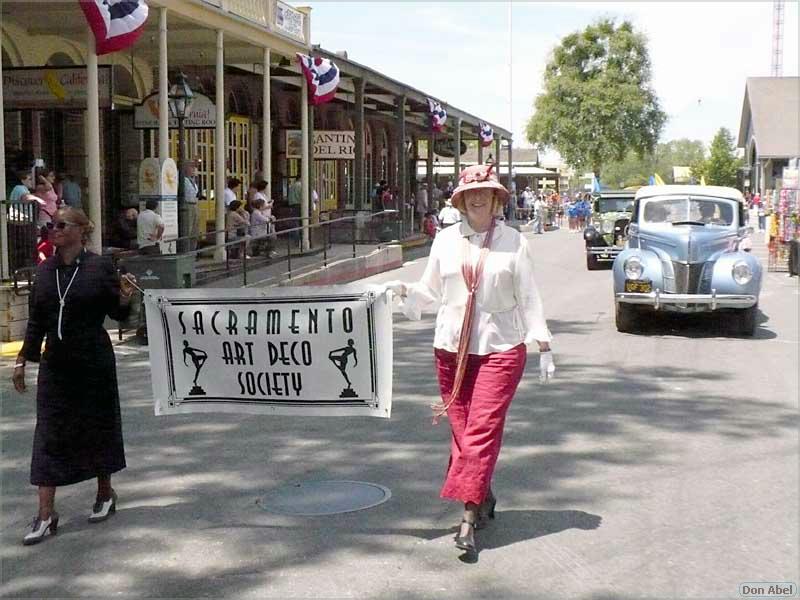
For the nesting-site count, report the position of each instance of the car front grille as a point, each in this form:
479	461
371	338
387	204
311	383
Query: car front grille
687	277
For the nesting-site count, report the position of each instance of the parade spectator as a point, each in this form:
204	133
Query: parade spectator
387	200
430	224
230	190
149	229
421	204
449	215
71	192
45	248
538	215
78	433
436	196
527	201
124	231
237	223
190	214
261	227
21	192
47	198
479	278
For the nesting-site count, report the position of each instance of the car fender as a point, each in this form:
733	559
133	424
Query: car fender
722	277
650	262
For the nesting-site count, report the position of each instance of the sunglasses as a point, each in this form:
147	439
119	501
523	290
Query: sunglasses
61	225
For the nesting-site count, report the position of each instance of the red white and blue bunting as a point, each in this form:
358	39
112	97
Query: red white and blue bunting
486	134
116	24
322	76
438	115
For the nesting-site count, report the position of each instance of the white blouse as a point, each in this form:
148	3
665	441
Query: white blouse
508	309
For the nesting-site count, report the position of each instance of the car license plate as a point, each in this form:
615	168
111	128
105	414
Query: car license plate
638	287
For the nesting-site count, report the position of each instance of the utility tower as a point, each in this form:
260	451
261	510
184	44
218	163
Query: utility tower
777	38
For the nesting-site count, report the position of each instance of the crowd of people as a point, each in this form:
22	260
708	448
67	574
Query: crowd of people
541	210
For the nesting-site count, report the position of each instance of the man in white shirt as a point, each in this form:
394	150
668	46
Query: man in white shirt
230	190
149	229
538	215
190	217
449	215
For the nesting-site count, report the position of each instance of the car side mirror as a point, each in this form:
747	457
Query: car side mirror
631	229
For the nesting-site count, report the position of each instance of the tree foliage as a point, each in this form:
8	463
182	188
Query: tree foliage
598	101
722	164
636	170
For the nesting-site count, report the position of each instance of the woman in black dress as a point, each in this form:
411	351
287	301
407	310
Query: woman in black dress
78	432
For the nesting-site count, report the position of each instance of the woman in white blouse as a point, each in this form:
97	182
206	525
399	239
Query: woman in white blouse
479	278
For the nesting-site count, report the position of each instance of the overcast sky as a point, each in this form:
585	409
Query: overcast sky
701	53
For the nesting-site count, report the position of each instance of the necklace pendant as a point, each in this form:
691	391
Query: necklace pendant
61	302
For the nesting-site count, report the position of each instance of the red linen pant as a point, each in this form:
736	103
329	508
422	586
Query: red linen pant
477	418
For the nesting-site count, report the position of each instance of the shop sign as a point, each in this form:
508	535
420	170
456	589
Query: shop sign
445	148
791	178
202	114
158	180
52	87
289	21
328	144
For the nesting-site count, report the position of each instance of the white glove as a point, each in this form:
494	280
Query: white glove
547	367
398	288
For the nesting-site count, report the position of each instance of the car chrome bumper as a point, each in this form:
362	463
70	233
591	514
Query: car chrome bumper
611	251
658	299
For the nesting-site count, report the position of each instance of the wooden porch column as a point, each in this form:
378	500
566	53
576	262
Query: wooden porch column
220	150
95	203
358	167
163	86
402	160
457	151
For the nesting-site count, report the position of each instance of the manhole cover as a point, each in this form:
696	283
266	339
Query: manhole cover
314	498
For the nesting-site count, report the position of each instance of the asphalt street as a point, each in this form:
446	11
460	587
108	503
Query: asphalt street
662	464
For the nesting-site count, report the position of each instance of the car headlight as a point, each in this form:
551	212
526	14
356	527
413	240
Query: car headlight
589	233
608	226
742	273
633	268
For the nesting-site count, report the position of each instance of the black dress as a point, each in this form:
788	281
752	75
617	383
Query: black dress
78	425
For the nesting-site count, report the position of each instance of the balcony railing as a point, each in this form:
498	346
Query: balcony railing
273	15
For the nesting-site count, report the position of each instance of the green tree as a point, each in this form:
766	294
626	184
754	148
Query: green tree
722	164
598	101
637	170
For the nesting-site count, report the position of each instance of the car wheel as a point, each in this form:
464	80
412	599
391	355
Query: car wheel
592	263
747	320
627	318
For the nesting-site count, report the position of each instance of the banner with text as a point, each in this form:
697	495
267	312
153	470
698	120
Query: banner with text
321	351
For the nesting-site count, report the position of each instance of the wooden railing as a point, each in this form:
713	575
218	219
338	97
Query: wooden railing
274	15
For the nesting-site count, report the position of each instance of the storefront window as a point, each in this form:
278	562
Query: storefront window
325	182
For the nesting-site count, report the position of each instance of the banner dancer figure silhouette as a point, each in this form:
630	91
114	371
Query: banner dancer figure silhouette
340	358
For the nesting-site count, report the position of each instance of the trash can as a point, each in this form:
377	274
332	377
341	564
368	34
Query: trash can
794	258
169	271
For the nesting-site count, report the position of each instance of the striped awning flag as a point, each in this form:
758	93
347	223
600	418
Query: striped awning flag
438	115
116	24
322	76
486	134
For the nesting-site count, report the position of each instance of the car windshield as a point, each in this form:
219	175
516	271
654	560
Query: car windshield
614	205
702	211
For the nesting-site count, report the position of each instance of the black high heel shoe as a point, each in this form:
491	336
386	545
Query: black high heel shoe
39	529
466	542
486	511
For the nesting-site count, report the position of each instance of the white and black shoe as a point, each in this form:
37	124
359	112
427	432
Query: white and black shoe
39	529
102	510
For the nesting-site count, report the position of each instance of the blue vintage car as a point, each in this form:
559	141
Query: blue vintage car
683	255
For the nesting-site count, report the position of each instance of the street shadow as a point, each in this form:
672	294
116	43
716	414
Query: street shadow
700	325
514	526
